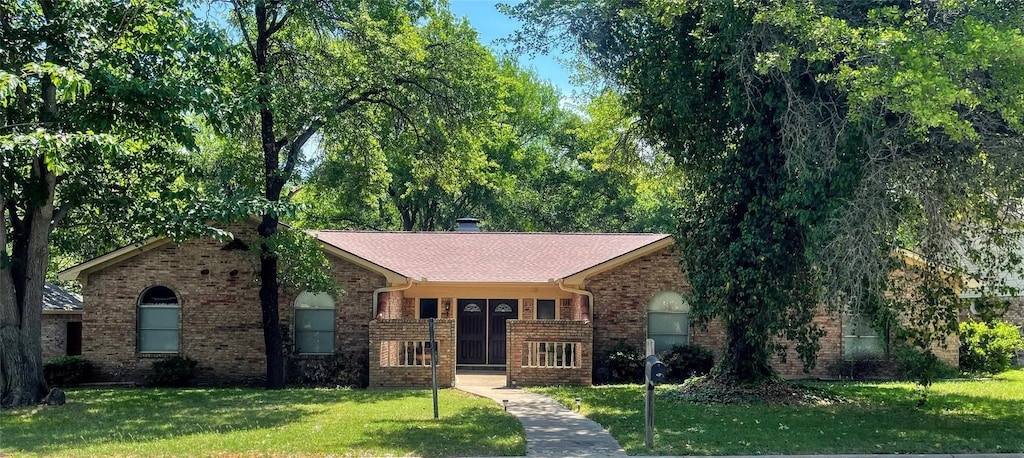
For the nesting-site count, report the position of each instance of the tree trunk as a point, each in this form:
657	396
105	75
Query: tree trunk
21	298
272	338
745	361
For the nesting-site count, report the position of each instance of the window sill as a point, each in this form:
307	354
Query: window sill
156	354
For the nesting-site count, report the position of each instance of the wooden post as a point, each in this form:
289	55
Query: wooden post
648	401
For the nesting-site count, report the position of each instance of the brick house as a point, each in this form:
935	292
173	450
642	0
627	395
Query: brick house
61	323
538	306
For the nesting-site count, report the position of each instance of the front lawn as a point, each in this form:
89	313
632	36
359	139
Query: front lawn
294	422
880	417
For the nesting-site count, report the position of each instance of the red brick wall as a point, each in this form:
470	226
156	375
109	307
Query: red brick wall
55	333
522	331
220	311
621	296
384	374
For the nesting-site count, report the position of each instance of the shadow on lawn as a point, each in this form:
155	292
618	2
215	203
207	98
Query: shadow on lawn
473	432
95	417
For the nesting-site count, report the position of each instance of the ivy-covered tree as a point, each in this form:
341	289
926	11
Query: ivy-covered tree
95	100
817	137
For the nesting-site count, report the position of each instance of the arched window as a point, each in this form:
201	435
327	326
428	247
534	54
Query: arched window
668	320
159	321
314	323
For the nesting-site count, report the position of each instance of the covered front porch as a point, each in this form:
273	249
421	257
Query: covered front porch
538	352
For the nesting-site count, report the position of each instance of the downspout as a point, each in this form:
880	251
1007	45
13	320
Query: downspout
590	297
388	289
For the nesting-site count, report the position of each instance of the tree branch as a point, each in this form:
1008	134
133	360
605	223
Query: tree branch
242	24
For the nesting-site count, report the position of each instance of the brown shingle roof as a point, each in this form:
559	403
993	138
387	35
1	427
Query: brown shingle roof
486	256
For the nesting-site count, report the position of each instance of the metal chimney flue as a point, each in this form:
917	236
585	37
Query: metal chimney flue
467	225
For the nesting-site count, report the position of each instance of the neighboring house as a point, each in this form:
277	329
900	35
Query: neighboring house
62	322
538	306
1014	298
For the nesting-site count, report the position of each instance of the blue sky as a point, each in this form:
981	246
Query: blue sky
492	25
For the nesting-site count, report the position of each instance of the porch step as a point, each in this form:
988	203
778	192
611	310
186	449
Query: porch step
480	368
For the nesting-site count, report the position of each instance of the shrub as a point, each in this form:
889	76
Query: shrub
619	363
861	365
174	371
922	367
685	361
66	371
988	348
339	369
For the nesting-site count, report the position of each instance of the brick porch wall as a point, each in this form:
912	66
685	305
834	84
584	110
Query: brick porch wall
55	333
383	374
220	311
519	332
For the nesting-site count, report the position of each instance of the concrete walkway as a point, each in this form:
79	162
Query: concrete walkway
551	430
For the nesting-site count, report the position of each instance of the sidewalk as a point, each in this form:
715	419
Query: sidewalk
554	431
551	430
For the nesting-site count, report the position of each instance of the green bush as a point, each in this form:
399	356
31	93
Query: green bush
175	371
988	348
685	361
619	363
339	369
67	371
922	367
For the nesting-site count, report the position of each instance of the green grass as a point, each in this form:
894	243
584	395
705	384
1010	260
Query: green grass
295	422
960	417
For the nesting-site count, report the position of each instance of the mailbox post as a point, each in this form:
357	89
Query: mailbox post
654	372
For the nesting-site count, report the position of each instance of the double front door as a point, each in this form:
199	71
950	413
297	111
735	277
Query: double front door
481	329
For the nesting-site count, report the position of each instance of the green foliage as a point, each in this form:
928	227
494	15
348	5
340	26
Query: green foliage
303	264
173	371
922	367
619	363
336	370
988	347
66	371
686	361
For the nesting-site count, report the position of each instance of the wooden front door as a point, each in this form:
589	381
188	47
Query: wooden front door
499	310
472	331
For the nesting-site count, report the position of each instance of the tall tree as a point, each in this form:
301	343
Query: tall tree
521	162
94	104
305	69
816	138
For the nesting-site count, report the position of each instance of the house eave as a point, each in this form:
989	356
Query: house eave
580	277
